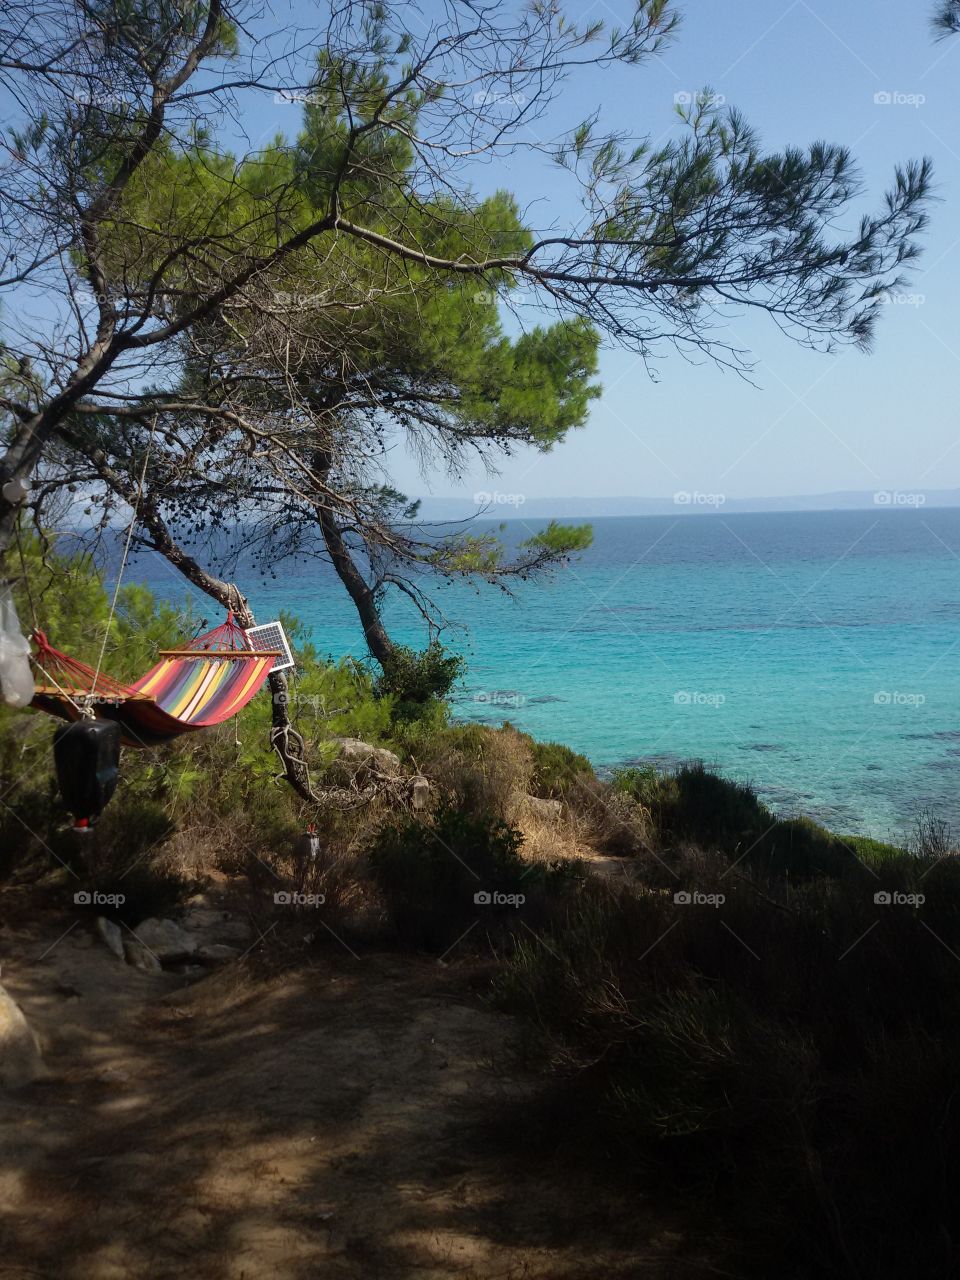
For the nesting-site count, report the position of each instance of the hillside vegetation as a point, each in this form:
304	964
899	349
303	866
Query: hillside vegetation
756	1016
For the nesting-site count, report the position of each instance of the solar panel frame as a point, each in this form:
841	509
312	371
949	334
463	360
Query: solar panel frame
271	635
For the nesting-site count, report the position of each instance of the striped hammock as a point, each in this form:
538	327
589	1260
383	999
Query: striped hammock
190	688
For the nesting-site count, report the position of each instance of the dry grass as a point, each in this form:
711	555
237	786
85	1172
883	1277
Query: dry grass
481	770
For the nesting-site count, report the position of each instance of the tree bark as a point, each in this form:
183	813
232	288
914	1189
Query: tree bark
364	598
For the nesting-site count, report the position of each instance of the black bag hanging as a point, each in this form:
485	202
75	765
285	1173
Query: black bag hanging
87	758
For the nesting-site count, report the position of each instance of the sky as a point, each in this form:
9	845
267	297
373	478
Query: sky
867	74
800	70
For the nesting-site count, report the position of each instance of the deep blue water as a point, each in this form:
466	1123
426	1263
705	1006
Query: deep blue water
815	654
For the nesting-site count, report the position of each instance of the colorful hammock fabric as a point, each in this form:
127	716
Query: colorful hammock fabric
195	687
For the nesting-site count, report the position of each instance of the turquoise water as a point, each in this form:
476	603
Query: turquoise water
816	655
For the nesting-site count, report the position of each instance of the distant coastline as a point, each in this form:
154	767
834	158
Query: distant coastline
500	502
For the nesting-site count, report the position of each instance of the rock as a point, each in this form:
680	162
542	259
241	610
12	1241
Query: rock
419	792
20	1057
110	934
354	752
213	924
216	953
141	957
168	942
545	810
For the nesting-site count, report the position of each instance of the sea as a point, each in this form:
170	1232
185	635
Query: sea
815	655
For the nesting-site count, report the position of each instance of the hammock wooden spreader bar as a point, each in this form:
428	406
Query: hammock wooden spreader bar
200	685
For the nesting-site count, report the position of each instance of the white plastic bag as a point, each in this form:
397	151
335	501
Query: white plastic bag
16	674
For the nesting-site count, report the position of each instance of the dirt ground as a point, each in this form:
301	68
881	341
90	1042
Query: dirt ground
340	1121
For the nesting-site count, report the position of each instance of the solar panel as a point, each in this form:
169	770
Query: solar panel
271	635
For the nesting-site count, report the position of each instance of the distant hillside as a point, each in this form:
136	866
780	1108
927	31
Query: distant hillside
503	504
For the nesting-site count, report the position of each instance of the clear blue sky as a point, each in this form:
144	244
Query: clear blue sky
800	70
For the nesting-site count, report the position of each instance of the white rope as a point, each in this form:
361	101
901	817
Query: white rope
81	710
123	561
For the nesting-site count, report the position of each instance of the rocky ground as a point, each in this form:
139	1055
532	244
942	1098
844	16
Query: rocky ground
349	1119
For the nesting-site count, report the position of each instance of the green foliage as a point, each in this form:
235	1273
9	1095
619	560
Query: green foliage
645	784
801	849
73	609
561	540
787	1057
221	783
418	678
870	851
429	873
558	770
696	806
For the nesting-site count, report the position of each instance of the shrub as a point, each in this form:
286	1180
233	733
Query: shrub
429	874
870	851
558	772
124	856
418	678
800	849
789	1056
483	771
696	806
615	821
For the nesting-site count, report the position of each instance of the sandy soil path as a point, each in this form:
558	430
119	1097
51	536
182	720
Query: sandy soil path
336	1122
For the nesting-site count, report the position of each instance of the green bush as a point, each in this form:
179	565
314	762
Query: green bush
788	1056
429	874
419	678
558	772
870	851
800	849
695	806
